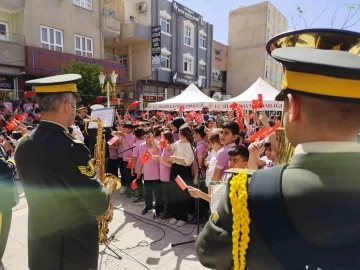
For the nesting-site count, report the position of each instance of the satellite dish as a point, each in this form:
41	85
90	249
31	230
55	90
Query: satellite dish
97	106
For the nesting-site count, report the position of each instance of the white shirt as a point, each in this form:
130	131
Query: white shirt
211	169
183	150
78	134
327	147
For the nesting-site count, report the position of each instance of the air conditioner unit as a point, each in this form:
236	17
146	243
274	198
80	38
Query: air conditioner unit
142	8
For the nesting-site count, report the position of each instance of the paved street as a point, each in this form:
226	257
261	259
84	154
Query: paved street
129	232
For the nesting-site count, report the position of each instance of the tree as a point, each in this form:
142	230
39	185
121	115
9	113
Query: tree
350	21
89	86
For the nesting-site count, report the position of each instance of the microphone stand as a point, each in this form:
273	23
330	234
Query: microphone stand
200	178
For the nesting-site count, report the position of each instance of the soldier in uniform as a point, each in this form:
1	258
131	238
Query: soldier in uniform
79	121
8	195
305	215
63	194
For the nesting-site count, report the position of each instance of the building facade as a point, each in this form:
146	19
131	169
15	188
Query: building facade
181	51
250	27
53	33
219	68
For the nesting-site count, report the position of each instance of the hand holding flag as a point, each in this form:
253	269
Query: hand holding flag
146	156
181	182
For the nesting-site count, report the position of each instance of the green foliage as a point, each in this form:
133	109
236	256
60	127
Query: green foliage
89	86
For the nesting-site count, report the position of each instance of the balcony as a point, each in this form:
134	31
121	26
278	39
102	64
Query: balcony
135	30
12	48
112	24
217	83
12	5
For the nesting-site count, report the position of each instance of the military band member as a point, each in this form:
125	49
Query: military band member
305	215
79	121
8	195
63	194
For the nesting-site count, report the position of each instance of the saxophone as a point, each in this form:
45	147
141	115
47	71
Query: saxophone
110	181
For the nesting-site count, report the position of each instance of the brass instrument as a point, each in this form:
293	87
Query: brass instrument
285	150
110	181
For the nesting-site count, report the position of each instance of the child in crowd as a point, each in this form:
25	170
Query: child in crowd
175	126
200	152
267	161
151	171
165	167
238	159
210	163
136	163
128	142
228	135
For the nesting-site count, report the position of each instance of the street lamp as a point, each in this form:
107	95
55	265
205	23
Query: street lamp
102	77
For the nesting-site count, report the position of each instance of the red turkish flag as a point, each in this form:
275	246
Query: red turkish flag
159	114
255	104
233	105
146	156
162	141
134	184
198	118
190	115
240	123
181	182
134	104
269	132
169	117
258	134
239	111
181	109
113	140
11	126
129	163
19	117
260	101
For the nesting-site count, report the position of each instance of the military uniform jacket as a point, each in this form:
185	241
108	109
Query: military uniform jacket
64	199
8	192
321	197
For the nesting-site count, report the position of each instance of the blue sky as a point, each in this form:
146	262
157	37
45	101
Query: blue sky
217	12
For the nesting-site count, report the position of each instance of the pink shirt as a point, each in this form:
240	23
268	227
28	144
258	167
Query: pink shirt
222	159
128	142
112	153
136	154
165	170
120	149
176	136
200	151
151	167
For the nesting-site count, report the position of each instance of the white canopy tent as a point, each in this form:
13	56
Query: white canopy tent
259	87
191	98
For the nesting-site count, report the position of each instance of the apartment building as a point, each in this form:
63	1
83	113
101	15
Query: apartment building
165	47
219	68
51	34
250	27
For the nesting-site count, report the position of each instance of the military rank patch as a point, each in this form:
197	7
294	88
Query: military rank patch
88	170
215	217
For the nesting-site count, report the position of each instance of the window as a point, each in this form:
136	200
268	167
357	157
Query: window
201	70
165	61
202	43
165	25
188	64
266	72
4	31
123	59
51	39
83	46
132	18
187	36
83	3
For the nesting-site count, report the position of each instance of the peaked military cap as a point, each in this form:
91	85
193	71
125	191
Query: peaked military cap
82	109
321	62
56	84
